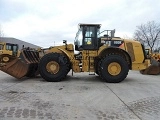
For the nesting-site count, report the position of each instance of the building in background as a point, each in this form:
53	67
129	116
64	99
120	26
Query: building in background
19	42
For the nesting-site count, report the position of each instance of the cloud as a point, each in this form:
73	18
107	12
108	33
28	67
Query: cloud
47	22
10	9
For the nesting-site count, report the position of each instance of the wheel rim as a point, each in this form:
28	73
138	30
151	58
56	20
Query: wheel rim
52	67
114	68
5	59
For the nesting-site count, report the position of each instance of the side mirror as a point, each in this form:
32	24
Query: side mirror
65	42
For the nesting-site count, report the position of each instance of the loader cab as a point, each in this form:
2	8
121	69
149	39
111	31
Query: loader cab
9	48
87	37
13	48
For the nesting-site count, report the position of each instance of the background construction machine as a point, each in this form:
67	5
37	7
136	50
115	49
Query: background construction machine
154	68
99	52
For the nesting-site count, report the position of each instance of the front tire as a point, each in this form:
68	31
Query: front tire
96	62
53	67
113	68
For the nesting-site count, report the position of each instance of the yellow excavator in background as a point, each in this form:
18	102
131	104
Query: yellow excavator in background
8	49
8	52
102	53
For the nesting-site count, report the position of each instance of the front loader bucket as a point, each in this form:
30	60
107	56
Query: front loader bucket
15	68
153	69
24	66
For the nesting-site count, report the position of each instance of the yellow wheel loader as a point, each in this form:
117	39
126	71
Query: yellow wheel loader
96	52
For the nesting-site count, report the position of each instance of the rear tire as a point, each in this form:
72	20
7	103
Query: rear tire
113	68
53	67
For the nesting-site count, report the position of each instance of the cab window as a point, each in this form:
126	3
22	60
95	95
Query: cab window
1	47
8	47
89	35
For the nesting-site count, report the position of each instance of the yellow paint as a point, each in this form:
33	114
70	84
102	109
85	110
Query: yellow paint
5	59
137	51
141	66
114	68
52	67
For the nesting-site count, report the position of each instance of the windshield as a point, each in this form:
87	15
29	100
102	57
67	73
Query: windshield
8	47
79	37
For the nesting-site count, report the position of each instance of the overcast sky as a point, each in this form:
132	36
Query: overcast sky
42	22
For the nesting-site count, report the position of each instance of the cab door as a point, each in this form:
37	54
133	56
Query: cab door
90	41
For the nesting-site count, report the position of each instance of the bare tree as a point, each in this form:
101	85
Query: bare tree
148	34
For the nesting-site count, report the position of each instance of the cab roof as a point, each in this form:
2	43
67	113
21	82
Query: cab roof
84	24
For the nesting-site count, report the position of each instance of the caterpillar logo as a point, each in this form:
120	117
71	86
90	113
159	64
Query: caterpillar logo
117	42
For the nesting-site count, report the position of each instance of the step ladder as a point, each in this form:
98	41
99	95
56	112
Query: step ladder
91	67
